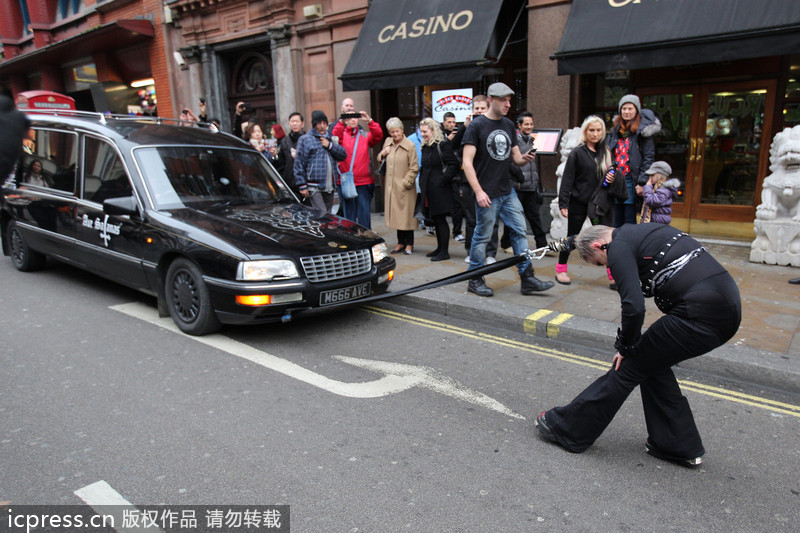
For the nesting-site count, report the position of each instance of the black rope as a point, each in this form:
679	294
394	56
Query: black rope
455	278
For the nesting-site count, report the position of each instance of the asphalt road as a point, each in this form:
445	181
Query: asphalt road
371	420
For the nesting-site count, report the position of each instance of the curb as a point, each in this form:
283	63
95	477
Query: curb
740	363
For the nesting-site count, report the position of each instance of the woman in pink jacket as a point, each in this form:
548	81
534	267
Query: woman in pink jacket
358	209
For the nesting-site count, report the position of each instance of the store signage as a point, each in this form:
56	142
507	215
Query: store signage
429	26
456	101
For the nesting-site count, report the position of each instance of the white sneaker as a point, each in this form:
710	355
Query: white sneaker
466	259
459	238
491	260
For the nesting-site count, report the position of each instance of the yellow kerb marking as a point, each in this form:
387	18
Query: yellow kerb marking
553	326
530	320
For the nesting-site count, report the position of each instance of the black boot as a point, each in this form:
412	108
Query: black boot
478	286
530	284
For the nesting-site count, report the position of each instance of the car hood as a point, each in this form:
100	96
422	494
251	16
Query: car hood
287	229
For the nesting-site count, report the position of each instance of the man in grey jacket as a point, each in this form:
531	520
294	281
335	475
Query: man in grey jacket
529	190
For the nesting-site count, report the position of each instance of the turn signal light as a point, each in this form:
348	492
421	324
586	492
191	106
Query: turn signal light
253	299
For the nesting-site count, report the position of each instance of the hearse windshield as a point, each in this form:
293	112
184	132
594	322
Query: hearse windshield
181	176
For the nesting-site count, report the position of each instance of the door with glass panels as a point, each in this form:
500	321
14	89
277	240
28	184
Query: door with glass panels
716	138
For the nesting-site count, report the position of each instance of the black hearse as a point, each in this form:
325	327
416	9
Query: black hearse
193	216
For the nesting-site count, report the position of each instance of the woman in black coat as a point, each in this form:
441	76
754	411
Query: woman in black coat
438	168
586	167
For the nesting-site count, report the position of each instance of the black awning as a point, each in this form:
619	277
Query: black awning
404	43
605	35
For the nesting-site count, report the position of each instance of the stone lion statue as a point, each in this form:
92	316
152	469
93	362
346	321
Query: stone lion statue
569	141
780	192
777	224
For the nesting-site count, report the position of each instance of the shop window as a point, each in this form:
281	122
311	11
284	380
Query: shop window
67	8
672	143
791	107
732	146
603	93
56	153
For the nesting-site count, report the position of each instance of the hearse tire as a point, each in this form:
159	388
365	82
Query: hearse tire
23	258
188	300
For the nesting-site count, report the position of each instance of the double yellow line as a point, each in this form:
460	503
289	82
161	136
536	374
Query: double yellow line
708	390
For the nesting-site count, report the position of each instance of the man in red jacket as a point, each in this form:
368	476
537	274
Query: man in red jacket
358	209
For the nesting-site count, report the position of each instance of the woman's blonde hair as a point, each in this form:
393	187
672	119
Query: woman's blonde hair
605	162
438	136
394	123
591	119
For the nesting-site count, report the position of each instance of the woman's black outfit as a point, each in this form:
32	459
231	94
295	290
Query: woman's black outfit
438	168
582	176
703	310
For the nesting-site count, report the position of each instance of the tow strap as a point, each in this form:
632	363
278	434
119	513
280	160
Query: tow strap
554	246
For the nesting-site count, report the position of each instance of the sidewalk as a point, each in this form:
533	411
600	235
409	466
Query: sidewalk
765	350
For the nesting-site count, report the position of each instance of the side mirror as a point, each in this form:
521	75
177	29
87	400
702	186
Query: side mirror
125	205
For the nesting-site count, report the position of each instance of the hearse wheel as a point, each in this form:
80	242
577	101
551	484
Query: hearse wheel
23	258
188	300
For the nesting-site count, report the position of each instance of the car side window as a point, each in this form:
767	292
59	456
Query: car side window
104	174
49	159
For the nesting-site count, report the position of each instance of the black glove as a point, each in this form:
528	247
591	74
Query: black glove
622	349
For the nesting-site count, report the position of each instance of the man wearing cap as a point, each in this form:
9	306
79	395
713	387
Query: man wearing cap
315	163
489	142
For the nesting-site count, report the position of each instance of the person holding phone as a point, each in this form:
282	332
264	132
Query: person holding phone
529	190
489	146
347	129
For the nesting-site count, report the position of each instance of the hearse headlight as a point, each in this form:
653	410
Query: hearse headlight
379	252
267	270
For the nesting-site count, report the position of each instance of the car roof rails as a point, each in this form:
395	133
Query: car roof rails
104	118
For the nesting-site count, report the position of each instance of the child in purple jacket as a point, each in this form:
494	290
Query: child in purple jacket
659	193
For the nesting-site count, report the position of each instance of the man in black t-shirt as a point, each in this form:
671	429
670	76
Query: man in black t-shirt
489	142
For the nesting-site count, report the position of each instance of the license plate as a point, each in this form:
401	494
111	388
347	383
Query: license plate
344	294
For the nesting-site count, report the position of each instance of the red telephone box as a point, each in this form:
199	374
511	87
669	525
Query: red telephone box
32	101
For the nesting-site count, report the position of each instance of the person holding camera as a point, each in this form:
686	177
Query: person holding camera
239	124
347	129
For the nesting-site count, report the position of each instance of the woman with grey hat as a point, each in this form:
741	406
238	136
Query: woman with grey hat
633	151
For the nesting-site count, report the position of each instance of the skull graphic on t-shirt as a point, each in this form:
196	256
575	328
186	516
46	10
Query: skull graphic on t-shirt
498	145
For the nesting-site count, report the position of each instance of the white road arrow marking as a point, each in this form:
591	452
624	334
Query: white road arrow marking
398	377
433	380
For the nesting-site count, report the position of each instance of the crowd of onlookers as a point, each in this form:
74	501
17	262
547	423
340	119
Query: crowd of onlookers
449	179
